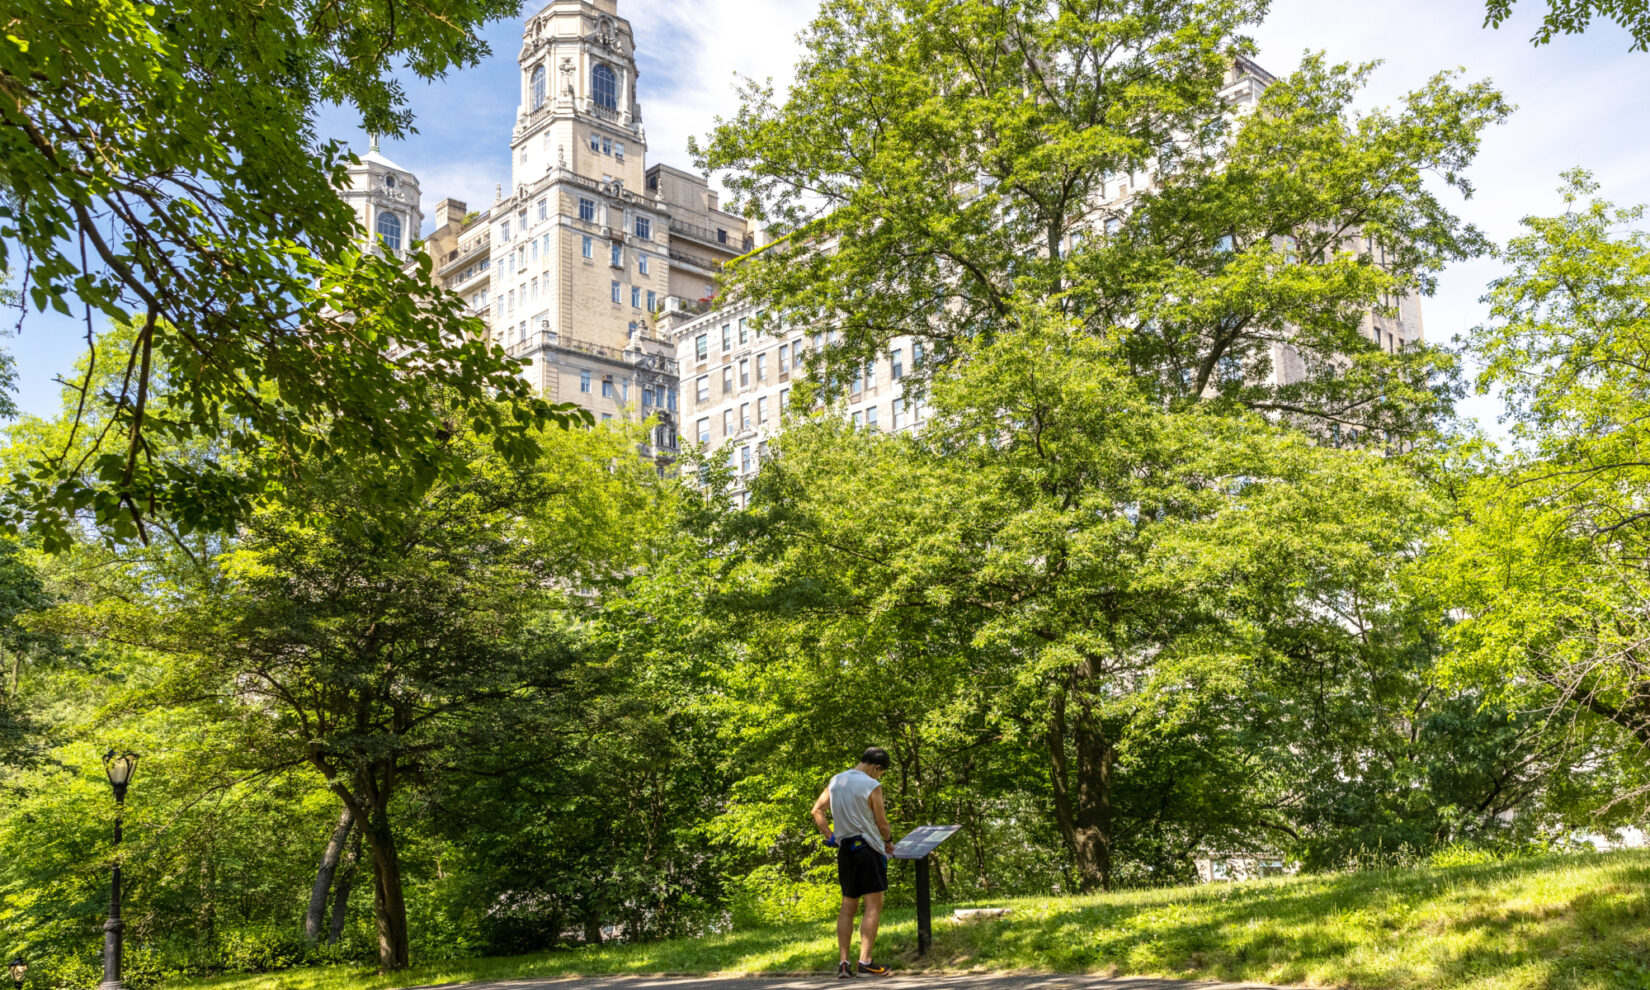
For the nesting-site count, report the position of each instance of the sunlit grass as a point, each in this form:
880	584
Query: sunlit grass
1557	922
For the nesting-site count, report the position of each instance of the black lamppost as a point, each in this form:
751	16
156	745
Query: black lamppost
18	967
119	767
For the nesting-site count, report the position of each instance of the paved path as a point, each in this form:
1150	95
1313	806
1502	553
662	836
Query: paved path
826	981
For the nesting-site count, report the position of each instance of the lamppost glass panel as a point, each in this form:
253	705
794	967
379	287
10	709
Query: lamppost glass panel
18	967
120	767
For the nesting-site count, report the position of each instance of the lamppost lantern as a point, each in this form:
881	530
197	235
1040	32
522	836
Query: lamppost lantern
18	967
120	767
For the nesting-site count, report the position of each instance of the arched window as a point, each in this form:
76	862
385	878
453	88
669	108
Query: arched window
389	229
538	86
604	85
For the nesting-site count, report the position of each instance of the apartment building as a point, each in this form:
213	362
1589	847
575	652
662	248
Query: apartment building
737	373
587	250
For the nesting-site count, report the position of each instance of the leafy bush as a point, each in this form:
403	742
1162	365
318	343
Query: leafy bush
766	897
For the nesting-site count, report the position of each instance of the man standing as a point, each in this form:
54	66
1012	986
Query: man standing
863	842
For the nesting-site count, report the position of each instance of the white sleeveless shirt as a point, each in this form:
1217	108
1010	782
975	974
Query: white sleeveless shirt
851	807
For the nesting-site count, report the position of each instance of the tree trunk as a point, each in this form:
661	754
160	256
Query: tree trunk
1082	794
388	902
1093	818
593	922
330	856
340	894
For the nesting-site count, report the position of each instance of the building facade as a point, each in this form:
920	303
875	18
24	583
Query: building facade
588	255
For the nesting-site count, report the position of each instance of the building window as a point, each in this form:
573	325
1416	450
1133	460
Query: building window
704	430
607	148
544	209
703	395
896	366
504	232
618	150
595	142
644	228
589	247
744	372
784	398
626	392
744	415
745	459
615	292
607	389
744	330
727	423
670	399
899	413
635	297
604	86
641	263
587	211
870	374
727	380
533	288
727	337
647	396
652	300
510	301
701	346
761	367
858	384
389	230
538	86
916	354
1112	225
762	410
871	418
584	381
616	255
859	420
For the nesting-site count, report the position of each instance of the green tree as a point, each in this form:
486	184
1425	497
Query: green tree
161	171
1117	582
382	652
1546	563
938	164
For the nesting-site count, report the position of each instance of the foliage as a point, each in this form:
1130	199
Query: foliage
1573	17
161	172
1546	564
937	166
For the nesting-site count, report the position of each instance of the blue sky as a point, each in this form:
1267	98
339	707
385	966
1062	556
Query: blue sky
1581	102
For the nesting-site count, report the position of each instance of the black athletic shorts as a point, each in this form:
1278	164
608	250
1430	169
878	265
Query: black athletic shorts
861	868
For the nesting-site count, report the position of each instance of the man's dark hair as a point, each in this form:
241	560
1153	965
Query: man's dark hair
876	756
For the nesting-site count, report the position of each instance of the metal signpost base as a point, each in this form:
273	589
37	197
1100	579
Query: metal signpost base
925	912
916	848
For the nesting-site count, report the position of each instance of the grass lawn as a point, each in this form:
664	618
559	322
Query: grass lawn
1557	922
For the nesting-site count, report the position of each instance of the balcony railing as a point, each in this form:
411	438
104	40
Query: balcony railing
720	237
458	256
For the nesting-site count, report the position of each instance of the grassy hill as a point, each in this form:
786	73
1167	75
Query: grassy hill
1557	922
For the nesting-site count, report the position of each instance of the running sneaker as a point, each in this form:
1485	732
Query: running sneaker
873	968
844	971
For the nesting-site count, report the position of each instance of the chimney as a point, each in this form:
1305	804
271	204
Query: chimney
449	211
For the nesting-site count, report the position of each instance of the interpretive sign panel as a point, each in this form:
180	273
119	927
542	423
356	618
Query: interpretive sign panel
923	841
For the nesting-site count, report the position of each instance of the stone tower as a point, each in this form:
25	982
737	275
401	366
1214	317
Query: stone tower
386	201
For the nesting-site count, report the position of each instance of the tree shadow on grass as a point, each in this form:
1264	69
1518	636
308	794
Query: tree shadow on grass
1411	928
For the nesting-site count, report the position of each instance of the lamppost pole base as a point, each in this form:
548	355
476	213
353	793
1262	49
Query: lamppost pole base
111	985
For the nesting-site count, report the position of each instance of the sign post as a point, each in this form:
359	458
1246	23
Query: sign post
917	846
